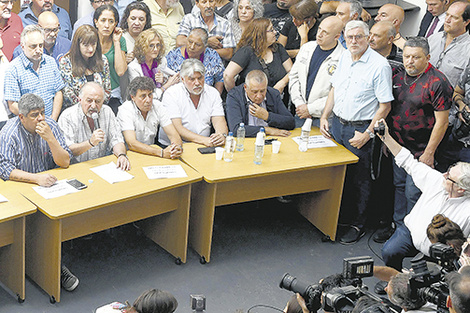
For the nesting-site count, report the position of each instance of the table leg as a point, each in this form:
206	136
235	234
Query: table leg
12	258
43	253
170	230
202	218
322	208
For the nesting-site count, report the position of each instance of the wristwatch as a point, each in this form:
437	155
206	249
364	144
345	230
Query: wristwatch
371	134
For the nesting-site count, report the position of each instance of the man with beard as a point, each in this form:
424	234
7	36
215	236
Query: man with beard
88	140
54	45
219	29
34	72
88	19
166	17
10	28
30	15
194	107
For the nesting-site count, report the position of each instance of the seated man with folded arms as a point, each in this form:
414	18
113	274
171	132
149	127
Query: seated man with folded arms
194	107
257	105
31	143
87	140
139	118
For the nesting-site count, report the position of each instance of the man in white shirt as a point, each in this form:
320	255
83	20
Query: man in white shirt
194	107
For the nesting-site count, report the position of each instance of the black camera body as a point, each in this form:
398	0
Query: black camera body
380	130
464	129
445	256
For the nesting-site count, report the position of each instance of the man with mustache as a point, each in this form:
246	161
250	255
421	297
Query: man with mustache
54	45
88	140
166	17
219	29
30	15
10	28
419	118
34	72
194	107
360	95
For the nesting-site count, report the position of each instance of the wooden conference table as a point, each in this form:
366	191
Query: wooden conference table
164	203
320	170
12	239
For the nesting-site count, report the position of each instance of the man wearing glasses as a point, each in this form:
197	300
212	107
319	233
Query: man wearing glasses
360	95
88	19
54	45
10	28
30	15
447	194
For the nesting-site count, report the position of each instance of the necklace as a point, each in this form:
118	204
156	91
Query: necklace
419	76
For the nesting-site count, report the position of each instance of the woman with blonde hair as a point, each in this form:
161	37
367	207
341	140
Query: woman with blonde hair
258	50
149	61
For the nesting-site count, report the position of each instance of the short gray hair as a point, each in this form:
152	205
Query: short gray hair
88	85
400	292
190	66
28	30
201	33
29	102
354	7
256	75
418	42
356	24
464	179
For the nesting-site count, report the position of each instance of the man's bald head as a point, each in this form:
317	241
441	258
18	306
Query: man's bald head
393	13
328	32
47	17
48	21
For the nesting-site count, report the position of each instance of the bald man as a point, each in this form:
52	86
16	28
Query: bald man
396	15
381	39
309	78
54	45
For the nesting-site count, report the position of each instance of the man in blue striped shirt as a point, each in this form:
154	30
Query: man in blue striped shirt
32	143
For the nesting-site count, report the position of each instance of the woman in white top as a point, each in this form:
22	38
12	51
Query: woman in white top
140	118
149	61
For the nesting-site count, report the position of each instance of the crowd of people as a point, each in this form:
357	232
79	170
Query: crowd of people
145	76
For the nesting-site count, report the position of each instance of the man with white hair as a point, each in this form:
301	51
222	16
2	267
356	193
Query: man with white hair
194	107
348	10
360	95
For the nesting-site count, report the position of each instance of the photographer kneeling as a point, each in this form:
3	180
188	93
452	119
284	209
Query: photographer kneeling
447	193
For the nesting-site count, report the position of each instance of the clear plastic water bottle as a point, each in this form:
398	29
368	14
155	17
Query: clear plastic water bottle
262	131
305	134
259	148
241	137
229	147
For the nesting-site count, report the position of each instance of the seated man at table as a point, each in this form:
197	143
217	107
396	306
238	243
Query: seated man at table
139	118
194	107
91	129
31	143
257	105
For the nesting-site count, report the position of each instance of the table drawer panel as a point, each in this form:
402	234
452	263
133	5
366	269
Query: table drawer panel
6	233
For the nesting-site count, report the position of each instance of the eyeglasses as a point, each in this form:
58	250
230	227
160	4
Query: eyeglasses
6	2
153	46
447	175
357	37
51	30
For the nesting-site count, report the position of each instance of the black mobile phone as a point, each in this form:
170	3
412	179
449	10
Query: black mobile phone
76	184
206	150
269	141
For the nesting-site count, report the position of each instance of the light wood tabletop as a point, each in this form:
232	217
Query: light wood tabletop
317	174
161	206
12	239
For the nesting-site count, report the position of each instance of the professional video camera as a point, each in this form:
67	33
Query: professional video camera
339	299
427	284
464	129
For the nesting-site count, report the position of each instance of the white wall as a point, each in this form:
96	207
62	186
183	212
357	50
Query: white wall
410	26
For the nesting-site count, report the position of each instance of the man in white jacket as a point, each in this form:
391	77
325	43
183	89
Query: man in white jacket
309	78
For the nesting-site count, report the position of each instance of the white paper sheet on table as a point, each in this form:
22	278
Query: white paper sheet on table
60	188
110	173
317	141
165	171
3	199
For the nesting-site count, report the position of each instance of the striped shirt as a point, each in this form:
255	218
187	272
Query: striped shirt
19	149
21	78
74	124
221	27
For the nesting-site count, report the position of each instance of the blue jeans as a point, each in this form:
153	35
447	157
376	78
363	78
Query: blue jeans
356	193
406	194
399	246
